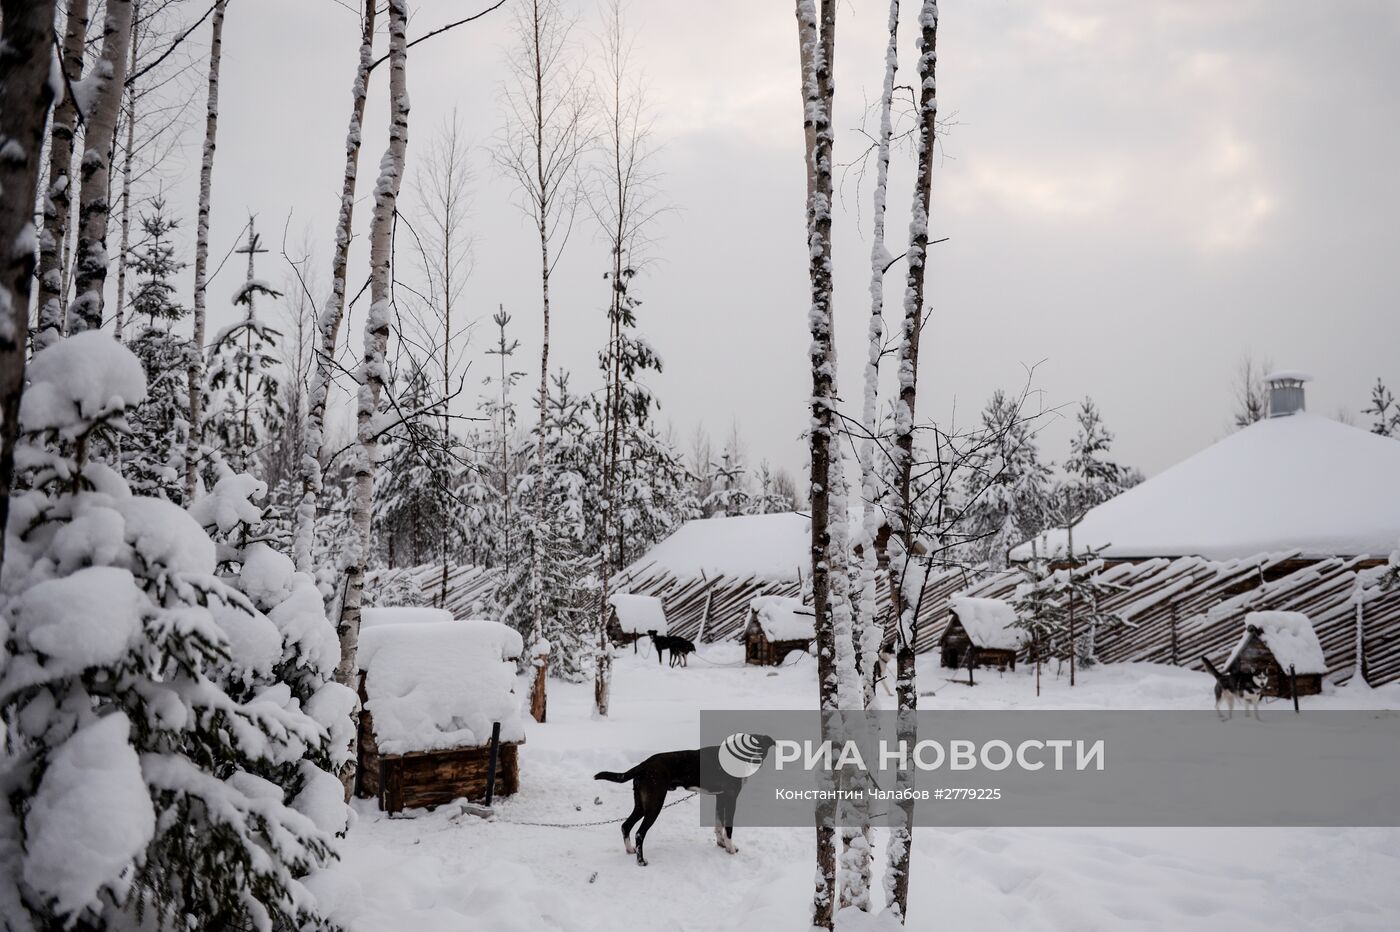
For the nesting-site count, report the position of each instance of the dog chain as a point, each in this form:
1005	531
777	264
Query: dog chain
586	824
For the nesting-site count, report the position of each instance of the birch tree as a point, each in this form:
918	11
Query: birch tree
857	857
543	140
328	325
623	204
817	45
26	93
901	837
90	252
57	204
373	375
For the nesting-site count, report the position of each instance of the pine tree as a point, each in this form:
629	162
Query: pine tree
730	494
1384	411
153	460
243	395
1008	488
146	693
1093	477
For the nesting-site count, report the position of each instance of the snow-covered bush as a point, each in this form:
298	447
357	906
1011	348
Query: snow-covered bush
166	755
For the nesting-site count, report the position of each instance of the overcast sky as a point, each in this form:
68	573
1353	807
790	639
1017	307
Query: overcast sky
1134	195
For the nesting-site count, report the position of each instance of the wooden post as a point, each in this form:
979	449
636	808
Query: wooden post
538	699
1176	657
1361	645
491	762
1293	685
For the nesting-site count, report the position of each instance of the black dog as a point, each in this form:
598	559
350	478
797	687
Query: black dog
698	771
679	647
1232	685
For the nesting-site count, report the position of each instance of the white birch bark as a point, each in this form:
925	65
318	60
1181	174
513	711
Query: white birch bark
901	838
201	252
58	200
374	372
94	208
25	97
128	156
328	325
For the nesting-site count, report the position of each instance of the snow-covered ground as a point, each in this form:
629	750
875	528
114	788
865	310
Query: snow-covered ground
432	872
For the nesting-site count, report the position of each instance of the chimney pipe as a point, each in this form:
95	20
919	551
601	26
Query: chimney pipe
1286	392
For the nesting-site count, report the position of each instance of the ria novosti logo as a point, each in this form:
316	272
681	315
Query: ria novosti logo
741	755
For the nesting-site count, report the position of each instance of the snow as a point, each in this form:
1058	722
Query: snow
1302	482
783	618
229	503
1287	375
441	872
990	623
86	619
78	381
1290	638
93	790
166	535
638	614
433	685
775	547
400	615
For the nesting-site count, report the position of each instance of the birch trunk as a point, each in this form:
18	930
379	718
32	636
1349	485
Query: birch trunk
201	252
328	325
374	372
901	838
58	203
90	255
127	158
26	37
817	45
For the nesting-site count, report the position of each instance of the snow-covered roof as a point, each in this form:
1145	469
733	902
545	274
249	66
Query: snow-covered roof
989	623
1304	482
784	619
400	615
440	684
1290	638
1287	375
774	547
638	614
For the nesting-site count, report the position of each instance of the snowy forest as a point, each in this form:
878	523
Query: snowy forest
230	435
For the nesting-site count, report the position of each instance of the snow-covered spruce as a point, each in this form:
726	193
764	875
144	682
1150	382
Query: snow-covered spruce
164	698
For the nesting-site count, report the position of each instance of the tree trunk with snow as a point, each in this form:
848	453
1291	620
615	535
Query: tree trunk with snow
26	35
901	838
59	198
817	40
201	251
94	208
374	371
328	325
128	156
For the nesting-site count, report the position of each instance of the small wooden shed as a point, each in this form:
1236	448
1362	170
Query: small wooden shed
981	633
431	693
630	617
1283	647
777	626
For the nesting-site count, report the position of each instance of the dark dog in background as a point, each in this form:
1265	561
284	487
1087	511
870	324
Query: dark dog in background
1233	685
679	647
699	771
884	666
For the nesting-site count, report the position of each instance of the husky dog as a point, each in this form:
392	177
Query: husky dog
1233	685
710	770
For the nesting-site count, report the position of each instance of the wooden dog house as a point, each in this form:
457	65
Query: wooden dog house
777	626
431	693
981	633
630	617
1284	649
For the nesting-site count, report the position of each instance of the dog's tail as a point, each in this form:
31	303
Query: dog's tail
614	777
1211	667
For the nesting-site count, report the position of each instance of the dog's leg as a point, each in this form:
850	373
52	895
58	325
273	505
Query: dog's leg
729	802
1229	705
652	800
637	812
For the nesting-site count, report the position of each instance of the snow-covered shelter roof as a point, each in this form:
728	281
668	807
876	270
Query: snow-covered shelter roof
638	614
784	619
989	623
775	547
441	684
1300	482
1289	636
400	615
